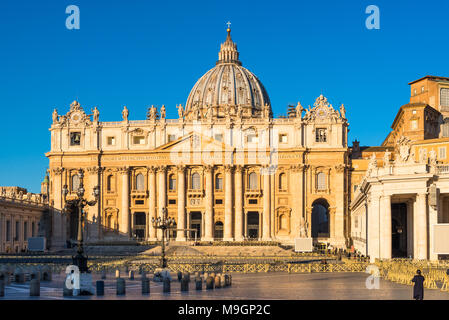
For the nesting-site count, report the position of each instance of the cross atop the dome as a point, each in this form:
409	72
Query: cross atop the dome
229	24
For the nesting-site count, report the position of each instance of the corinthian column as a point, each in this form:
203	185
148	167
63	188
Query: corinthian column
162	194
420	227
124	220
386	244
238	204
209	216
228	204
181	235
152	202
266	235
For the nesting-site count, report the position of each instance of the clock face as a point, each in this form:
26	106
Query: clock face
75	117
321	113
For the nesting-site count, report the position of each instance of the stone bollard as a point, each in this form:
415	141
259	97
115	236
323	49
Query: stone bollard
217	281
145	285
179	276
198	283
2	287
19	276
131	275
117	273
121	287
35	288
166	282
226	280
100	288
184	284
209	283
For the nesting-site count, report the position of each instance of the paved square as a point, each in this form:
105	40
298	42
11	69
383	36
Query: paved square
283	286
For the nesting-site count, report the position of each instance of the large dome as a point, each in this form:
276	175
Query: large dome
228	88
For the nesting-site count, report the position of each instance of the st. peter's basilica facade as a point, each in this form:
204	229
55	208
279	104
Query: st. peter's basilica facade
225	169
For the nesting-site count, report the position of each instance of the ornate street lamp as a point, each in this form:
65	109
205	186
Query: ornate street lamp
164	223
80	259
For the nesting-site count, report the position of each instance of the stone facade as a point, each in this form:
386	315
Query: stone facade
224	169
22	215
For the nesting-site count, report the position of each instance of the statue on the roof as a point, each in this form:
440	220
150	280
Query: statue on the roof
55	116
125	113
163	112
299	110
343	111
96	114
180	111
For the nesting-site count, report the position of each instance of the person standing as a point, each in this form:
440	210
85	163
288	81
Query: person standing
418	288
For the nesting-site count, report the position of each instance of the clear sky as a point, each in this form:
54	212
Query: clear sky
138	53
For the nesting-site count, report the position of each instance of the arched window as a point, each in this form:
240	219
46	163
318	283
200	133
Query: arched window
140	182
321	181
75	182
110	183
219	182
252	181
172	183
282	182
196	183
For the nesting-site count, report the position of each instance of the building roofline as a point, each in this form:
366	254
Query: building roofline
430	77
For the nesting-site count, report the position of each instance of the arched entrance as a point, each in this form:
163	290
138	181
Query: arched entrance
218	230
195	223
320	219
253	225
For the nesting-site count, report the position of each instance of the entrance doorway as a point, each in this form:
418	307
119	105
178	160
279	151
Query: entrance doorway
195	223
399	230
320	219
253	225
218	230
139	225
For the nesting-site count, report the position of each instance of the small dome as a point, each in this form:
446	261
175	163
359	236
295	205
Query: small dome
228	88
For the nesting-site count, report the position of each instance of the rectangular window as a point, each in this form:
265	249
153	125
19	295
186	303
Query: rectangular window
138	140
283	138
252	201
140	202
16	238
111	141
8	230
171	137
414	124
25	231
321	135
219	137
442	153
218	201
171	201
75	138
321	181
444	97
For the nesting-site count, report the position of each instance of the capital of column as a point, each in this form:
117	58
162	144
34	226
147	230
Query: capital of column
228	168
161	169
94	170
297	167
57	171
208	168
238	169
151	169
123	170
181	168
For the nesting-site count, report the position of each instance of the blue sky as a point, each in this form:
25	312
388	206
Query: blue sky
138	53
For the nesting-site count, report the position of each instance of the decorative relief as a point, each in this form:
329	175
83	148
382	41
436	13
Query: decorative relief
57	171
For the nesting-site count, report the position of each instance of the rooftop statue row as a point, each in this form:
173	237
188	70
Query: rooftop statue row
321	111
